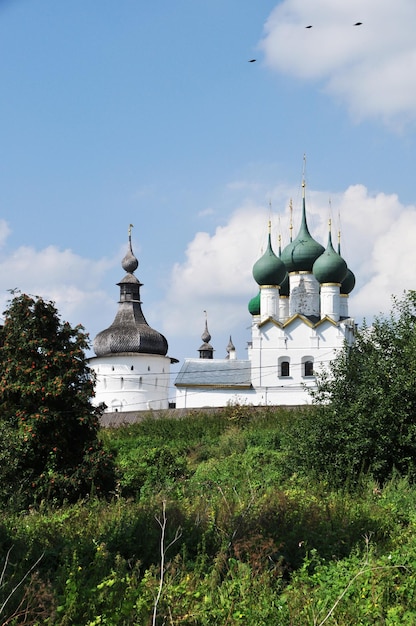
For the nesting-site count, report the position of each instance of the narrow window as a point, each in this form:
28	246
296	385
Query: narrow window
308	368
284	368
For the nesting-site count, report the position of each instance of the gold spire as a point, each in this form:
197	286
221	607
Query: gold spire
304	176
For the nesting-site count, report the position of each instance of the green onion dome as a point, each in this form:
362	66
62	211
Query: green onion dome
254	305
348	284
301	253
285	286
269	269
330	267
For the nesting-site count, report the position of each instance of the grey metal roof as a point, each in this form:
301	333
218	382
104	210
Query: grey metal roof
220	373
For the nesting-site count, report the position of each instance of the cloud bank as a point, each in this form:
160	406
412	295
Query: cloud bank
370	68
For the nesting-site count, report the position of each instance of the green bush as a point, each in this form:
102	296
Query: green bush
50	449
365	421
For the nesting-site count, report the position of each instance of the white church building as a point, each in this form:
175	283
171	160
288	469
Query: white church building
300	319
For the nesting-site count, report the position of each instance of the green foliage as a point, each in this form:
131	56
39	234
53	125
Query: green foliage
366	421
50	447
255	544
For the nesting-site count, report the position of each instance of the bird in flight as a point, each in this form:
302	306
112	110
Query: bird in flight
252	60
356	24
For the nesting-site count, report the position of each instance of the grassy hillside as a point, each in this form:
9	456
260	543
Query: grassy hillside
212	523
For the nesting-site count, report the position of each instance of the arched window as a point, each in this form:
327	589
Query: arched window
284	368
308	368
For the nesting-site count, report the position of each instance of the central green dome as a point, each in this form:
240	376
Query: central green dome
301	253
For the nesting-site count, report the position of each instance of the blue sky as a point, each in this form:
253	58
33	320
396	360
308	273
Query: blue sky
124	112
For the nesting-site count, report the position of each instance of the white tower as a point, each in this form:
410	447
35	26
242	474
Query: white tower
131	366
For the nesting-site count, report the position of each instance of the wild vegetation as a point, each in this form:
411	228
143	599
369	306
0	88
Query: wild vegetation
246	516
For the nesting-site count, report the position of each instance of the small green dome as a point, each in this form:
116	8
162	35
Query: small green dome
285	286
254	305
301	253
348	284
330	267
269	269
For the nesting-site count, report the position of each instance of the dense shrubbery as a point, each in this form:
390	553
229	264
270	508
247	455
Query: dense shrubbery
364	421
251	543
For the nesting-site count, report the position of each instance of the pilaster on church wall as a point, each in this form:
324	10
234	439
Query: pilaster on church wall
330	301
283	308
269	302
343	302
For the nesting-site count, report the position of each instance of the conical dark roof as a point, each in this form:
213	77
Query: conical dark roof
129	331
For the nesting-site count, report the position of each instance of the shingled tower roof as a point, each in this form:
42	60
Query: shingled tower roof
129	331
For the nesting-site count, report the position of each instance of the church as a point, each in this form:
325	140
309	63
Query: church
300	319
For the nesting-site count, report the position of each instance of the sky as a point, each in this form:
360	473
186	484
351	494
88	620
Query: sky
151	114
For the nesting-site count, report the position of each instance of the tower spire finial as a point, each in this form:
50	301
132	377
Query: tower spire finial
291	218
304	175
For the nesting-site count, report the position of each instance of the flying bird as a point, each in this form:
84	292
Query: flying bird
252	60
358	24
310	26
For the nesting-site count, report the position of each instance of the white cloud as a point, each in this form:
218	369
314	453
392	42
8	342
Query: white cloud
72	282
371	68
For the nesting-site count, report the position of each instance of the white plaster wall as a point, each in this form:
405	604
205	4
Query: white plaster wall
131	381
198	397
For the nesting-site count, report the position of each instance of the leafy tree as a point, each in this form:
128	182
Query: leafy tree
49	445
365	419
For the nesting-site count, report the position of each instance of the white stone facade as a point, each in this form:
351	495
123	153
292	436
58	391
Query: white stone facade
131	382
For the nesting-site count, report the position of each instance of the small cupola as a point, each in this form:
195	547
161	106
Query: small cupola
254	305
206	351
